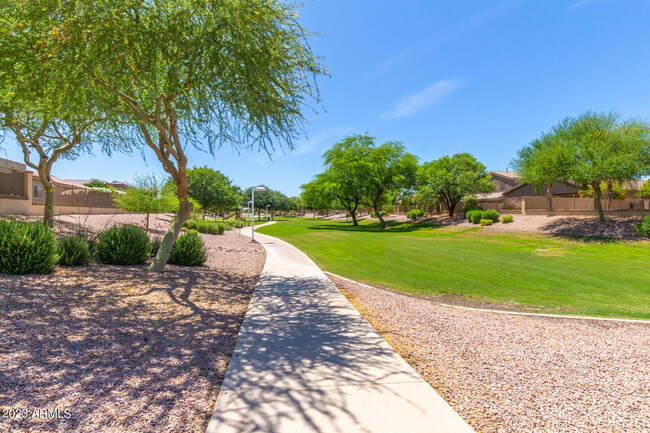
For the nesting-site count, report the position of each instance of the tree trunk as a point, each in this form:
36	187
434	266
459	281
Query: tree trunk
147	221
184	213
599	207
381	220
549	196
609	195
48	214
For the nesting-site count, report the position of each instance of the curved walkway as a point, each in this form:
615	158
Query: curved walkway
306	361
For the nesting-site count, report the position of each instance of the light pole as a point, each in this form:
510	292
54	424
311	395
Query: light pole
267	212
256	188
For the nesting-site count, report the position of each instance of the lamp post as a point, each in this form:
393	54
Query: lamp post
256	188
267	212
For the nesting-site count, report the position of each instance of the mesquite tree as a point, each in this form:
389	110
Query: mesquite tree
183	72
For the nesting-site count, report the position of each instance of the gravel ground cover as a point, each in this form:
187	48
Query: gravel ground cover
123	350
506	373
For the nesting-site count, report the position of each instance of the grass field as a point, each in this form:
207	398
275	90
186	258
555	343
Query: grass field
566	275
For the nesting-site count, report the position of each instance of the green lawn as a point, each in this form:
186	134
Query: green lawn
567	275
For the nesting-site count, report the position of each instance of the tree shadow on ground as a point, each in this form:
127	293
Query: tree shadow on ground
590	230
392	227
124	350
301	357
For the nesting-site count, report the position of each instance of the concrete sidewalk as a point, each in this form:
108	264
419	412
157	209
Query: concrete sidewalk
306	361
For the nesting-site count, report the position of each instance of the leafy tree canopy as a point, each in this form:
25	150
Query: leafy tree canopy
451	179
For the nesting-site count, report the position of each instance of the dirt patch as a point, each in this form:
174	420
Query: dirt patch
121	349
509	373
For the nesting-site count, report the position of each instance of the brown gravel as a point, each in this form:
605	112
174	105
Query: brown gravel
506	373
123	350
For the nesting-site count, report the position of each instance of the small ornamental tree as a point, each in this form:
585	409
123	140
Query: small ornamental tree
147	196
449	179
200	73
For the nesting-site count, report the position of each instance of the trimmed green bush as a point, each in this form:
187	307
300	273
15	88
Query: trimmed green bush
486	222
155	245
123	245
415	214
468	209
475	216
206	226
492	215
643	228
188	250
73	251
507	219
26	247
382	213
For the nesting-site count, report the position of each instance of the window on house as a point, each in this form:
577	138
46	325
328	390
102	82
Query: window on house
38	191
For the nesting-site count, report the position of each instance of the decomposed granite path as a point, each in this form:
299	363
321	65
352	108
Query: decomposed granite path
306	361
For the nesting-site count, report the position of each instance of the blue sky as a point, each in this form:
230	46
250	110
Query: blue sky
484	77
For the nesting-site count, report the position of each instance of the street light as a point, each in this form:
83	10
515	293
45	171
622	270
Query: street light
267	212
255	188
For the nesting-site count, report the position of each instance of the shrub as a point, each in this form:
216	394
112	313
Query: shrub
123	245
382	213
475	216
205	226
415	214
486	222
155	245
467	209
188	250
73	251
507	219
492	215
643	228
26	248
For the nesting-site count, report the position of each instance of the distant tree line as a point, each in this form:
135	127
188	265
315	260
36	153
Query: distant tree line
598	152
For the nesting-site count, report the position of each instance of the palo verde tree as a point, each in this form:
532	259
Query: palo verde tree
605	149
452	178
203	74
543	162
148	195
48	113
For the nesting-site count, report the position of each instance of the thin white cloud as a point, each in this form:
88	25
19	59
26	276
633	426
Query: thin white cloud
309	145
412	104
580	3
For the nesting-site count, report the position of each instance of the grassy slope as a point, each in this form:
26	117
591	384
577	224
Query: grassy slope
591	276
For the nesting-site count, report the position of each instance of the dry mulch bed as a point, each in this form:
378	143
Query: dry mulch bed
121	349
507	373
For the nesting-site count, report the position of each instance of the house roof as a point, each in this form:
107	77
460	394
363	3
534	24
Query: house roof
508	174
490	195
